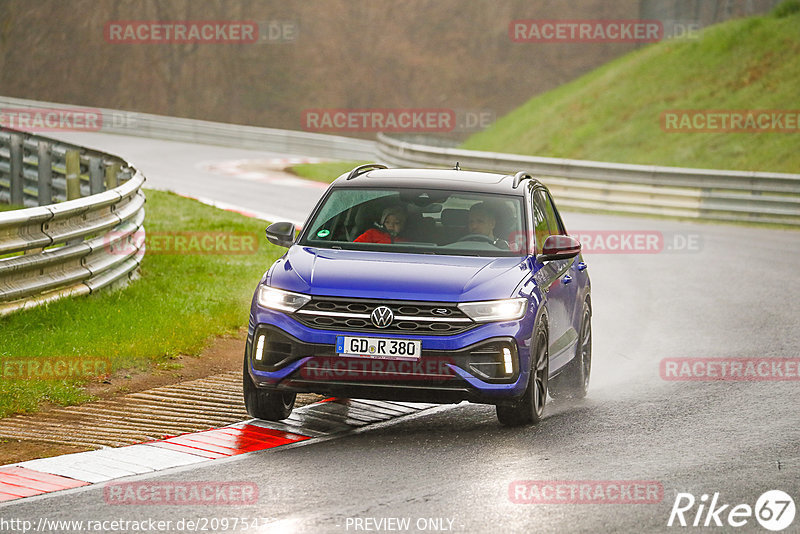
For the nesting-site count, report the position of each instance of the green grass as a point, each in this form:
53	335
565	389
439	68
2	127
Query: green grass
613	113
324	172
179	304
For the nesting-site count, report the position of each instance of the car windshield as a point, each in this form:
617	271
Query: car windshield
419	221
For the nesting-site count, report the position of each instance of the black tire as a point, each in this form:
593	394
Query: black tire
529	409
573	381
262	404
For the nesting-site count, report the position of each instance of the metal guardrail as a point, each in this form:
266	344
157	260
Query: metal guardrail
214	133
73	247
754	197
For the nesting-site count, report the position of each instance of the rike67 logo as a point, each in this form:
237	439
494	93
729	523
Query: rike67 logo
774	510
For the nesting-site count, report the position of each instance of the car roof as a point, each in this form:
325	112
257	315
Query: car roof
448	179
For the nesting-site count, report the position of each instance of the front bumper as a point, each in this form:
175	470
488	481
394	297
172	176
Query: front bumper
471	366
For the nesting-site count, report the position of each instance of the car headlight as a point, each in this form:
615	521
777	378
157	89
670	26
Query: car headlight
495	310
277	299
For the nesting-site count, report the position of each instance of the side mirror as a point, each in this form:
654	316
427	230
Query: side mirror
560	247
281	234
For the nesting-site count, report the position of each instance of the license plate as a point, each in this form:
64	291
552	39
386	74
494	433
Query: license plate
372	347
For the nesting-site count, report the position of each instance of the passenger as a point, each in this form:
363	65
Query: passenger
393	220
483	221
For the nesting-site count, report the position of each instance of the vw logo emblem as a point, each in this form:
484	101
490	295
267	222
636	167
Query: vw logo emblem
382	316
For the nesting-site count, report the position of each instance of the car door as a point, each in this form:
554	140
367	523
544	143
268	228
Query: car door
557	280
575	279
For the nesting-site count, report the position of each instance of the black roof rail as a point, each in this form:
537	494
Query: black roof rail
521	175
361	169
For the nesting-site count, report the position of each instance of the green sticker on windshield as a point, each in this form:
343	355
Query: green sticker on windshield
323	233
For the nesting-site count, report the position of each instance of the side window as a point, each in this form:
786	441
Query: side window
550	213
541	227
546	222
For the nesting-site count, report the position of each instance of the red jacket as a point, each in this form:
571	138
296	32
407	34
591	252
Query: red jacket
374	235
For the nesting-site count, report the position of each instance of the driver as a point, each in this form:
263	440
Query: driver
482	221
393	220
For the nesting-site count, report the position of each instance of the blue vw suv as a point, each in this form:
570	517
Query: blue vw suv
423	285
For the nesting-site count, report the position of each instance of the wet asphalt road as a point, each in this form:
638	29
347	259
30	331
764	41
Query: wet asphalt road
734	296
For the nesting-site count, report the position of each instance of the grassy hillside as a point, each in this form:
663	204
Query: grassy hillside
614	112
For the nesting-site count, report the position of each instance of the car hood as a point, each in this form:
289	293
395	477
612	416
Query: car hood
359	274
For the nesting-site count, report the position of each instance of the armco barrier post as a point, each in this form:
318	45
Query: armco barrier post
15	179
45	168
72	159
112	178
95	176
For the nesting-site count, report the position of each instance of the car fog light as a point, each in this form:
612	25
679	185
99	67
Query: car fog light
509	365
260	348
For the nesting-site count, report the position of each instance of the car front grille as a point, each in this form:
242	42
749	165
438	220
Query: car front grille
424	318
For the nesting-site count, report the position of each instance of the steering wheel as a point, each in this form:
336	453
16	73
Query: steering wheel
478	237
